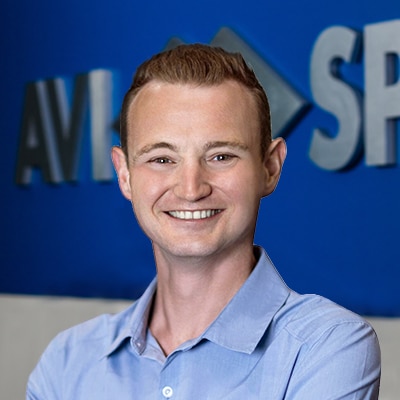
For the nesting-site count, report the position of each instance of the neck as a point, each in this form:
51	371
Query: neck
191	294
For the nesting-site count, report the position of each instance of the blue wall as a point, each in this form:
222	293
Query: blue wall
329	232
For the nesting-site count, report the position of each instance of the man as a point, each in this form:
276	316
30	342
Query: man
196	158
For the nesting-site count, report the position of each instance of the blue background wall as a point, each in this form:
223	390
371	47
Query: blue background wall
332	233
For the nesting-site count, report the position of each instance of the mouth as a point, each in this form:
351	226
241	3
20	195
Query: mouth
193	215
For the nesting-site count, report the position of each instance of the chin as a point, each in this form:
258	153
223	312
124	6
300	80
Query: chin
190	250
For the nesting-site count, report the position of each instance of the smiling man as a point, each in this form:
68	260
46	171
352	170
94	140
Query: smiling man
218	322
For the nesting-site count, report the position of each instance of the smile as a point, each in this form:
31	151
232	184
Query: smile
189	215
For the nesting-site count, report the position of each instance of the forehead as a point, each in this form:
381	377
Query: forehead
161	102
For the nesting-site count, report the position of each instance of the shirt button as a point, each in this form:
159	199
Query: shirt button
167	392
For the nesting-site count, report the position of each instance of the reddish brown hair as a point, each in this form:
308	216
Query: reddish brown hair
200	65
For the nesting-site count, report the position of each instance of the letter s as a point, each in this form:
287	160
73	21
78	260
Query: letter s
331	93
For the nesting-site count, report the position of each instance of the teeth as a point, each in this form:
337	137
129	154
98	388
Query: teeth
187	215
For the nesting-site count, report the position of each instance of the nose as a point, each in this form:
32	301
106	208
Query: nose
192	182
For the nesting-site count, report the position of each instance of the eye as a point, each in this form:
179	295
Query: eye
223	157
160	160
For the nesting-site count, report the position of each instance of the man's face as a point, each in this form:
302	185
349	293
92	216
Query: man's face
195	176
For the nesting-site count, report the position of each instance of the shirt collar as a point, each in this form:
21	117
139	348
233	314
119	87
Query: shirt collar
251	310
132	323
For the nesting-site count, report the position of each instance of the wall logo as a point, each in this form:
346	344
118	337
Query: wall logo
52	130
53	123
287	104
367	120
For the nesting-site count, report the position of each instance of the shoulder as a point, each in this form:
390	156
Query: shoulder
94	333
93	337
311	316
326	331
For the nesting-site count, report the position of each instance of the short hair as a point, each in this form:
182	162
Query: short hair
198	64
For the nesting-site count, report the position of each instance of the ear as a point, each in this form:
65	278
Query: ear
273	162
121	167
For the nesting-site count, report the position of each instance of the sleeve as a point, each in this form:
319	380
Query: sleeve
343	363
44	379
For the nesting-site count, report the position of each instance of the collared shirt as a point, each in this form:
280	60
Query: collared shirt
267	343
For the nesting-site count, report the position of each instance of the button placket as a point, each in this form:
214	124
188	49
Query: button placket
169	377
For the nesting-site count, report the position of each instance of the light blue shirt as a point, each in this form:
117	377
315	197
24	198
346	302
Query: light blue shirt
268	343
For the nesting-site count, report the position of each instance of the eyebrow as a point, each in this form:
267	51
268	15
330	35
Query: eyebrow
154	146
222	143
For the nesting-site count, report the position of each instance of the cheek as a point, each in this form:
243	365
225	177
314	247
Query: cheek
245	185
244	201
147	189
